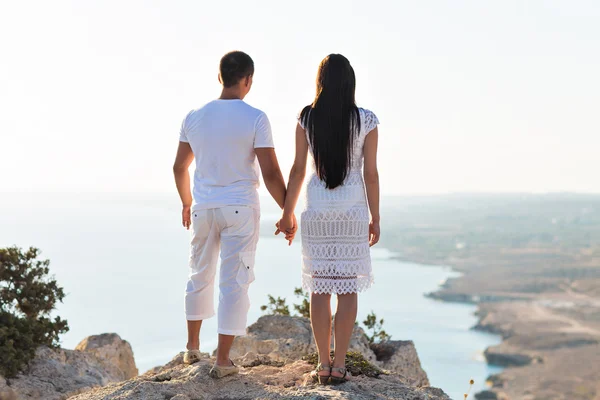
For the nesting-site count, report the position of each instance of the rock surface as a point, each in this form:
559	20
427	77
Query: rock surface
284	338
291	381
401	357
289	338
272	368
59	374
6	393
270	357
278	337
112	349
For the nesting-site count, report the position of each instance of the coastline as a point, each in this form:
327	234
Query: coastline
449	297
453	274
540	340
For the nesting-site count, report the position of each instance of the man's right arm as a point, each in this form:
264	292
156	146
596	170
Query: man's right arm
271	173
265	152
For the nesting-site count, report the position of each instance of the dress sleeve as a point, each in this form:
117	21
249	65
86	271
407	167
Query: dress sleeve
304	112
371	121
300	120
263	137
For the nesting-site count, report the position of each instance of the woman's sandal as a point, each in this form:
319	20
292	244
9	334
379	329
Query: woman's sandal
321	379
336	380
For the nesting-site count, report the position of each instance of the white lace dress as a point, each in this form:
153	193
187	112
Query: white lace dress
335	227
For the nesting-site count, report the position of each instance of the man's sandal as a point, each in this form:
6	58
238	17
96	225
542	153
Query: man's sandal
218	372
192	356
321	379
336	380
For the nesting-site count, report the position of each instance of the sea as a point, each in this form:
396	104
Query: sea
122	260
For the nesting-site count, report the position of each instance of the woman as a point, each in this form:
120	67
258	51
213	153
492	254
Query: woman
336	227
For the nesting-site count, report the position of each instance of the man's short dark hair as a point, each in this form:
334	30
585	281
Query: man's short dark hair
234	67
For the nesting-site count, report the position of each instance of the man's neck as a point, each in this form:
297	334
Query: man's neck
230	94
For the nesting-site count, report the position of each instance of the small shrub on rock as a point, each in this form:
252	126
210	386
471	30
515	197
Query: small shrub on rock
27	297
378	335
303	308
276	306
355	363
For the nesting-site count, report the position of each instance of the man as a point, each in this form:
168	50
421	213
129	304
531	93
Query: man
226	137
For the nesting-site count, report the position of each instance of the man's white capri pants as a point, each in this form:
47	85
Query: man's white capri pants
233	230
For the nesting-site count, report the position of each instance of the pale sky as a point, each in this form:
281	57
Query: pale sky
473	96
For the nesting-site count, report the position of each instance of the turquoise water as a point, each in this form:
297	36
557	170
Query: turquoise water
123	263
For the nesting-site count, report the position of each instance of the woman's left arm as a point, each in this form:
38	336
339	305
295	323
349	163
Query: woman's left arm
371	176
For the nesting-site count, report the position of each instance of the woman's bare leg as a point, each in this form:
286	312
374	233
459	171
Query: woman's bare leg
320	318
345	318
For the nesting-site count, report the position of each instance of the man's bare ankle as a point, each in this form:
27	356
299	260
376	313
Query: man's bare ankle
193	346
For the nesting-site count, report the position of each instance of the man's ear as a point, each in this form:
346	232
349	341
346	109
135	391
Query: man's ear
220	80
248	80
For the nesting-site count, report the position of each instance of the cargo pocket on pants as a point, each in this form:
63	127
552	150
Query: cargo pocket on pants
245	275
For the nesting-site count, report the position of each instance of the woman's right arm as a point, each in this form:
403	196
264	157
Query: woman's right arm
297	174
371	175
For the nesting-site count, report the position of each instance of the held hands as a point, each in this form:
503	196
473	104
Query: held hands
289	226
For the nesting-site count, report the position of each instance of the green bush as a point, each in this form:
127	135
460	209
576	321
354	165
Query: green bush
27	297
276	306
355	363
376	327
303	308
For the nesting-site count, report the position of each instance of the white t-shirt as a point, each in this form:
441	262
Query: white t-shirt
223	135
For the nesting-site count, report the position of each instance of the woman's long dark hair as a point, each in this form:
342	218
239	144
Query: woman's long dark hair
332	120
